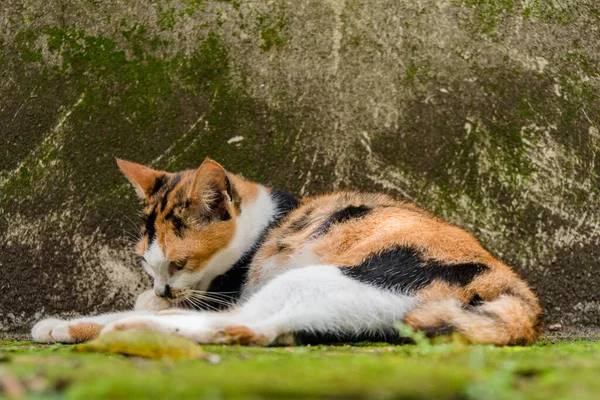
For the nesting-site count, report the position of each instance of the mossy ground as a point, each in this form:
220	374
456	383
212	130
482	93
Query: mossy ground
551	369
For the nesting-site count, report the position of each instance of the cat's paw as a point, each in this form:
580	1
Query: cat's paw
53	330
42	331
149	301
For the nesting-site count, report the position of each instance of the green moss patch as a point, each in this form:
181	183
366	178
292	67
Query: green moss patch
442	371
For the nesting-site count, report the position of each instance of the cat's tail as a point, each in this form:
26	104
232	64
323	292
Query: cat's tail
512	318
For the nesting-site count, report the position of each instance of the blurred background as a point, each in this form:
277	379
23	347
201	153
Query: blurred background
485	112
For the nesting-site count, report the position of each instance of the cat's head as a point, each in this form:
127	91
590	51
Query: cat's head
189	217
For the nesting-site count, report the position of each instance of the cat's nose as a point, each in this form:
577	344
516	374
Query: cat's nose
165	292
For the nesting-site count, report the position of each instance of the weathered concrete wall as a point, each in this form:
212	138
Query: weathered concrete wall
483	111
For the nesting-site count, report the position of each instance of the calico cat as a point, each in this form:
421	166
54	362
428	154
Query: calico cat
342	266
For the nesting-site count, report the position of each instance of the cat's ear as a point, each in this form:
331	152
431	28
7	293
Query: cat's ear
145	180
211	189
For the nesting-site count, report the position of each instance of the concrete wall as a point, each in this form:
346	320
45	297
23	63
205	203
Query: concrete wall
486	112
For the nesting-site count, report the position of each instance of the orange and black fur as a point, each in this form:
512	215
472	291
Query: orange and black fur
342	266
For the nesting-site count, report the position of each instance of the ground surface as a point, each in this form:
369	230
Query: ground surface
554	368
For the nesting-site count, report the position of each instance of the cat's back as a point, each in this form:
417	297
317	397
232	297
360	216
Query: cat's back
350	228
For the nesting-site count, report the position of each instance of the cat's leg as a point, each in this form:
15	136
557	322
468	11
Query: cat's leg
52	330
78	330
317	299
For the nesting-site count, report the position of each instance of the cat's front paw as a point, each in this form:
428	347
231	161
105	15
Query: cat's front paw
54	330
42	331
149	301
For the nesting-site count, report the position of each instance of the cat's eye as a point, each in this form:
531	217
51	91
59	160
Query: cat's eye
180	264
175	266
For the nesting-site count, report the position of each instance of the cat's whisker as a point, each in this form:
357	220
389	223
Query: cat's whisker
183	303
227	302
216	294
192	303
137	230
216	302
131	221
200	303
206	298
204	304
127	231
204	291
200	298
209	296
130	237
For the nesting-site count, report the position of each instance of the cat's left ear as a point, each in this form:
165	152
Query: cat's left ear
144	179
211	189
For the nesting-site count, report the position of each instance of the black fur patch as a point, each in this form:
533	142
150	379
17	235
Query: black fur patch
158	183
313	338
442	330
285	203
163	202
488	314
300	224
178	224
341	216
228	188
404	270
149	221
175	179
476	301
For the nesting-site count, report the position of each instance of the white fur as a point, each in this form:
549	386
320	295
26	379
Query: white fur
149	301
315	299
159	266
275	266
42	331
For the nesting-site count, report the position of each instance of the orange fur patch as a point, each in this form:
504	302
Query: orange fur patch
84	331
247	190
244	336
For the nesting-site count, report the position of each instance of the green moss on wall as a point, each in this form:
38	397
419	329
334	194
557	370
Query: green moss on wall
271	26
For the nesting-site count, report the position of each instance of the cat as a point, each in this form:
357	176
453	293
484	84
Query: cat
265	268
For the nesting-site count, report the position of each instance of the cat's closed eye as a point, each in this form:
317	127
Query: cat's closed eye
177	265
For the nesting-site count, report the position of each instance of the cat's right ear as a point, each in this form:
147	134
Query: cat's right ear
145	180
